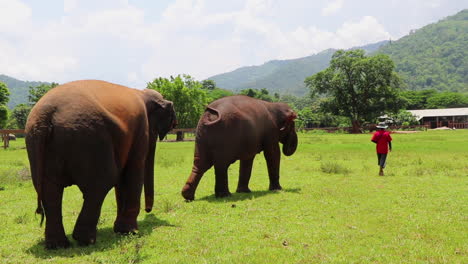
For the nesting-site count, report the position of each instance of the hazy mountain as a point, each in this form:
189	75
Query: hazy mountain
19	90
282	76
435	56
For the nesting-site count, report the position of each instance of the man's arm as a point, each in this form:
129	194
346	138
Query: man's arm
390	145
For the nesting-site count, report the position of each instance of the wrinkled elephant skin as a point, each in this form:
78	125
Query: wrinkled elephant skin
237	128
96	135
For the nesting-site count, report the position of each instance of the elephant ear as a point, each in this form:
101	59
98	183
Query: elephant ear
161	114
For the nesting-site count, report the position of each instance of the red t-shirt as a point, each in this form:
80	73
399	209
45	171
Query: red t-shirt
382	138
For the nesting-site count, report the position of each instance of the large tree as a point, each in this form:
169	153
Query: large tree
213	92
359	87
187	95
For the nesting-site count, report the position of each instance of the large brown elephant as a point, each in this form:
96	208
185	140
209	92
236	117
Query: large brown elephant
237	128
96	135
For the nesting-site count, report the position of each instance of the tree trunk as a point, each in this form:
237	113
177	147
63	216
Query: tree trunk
356	127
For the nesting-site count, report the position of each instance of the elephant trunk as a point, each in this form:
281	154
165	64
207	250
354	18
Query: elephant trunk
188	191
290	142
149	175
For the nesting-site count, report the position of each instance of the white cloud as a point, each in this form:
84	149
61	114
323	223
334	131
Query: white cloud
433	3
13	13
69	5
332	7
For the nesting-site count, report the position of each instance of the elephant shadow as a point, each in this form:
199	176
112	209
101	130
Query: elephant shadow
106	239
236	197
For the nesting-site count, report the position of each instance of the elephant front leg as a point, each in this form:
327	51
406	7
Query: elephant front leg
188	191
221	181
272	157
86	225
128	206
201	163
52	203
245	171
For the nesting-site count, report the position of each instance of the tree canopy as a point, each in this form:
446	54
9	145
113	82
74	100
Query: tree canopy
36	92
261	94
187	95
4	94
213	92
358	87
4	97
19	116
431	99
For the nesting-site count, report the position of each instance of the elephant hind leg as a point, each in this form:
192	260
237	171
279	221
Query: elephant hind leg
221	180
85	227
245	171
52	203
127	194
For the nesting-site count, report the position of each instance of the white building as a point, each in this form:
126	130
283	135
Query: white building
449	117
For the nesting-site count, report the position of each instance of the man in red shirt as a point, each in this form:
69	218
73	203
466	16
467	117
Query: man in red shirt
384	143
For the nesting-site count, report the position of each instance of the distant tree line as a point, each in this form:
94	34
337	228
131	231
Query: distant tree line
17	117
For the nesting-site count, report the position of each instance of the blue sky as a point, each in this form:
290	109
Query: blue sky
131	42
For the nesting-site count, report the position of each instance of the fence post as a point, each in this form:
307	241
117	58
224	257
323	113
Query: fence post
180	136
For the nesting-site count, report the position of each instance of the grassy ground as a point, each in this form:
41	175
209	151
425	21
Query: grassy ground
333	209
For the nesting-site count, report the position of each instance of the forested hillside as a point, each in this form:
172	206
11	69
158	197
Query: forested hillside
18	89
435	56
281	76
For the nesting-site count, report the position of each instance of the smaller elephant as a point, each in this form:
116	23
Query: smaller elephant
238	128
11	137
98	136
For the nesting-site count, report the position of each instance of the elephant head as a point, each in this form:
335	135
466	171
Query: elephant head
161	114
161	119
288	136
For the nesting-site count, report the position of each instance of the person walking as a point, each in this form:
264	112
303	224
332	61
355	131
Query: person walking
383	140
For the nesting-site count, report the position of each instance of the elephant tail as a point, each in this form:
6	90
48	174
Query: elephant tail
211	116
36	137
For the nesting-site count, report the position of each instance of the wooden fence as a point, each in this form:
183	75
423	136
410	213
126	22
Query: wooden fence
364	128
6	134
181	132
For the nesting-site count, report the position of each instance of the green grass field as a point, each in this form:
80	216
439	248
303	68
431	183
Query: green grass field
334	208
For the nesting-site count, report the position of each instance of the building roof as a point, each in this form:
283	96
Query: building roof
439	112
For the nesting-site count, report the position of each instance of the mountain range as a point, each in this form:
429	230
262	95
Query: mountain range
281	76
432	57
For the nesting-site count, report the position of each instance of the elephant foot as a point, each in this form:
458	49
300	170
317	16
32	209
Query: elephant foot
56	244
187	193
243	190
222	194
275	187
84	237
125	227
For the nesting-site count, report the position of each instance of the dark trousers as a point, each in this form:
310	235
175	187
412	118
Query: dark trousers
381	160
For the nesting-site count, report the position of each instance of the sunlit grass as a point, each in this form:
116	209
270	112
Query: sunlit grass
334	208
